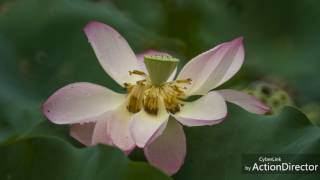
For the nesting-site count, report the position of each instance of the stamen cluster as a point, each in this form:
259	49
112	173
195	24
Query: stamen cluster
144	94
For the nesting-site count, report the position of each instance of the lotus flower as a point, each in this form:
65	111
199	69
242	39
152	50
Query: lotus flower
151	114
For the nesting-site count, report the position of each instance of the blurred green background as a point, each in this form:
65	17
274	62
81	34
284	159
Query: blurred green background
43	48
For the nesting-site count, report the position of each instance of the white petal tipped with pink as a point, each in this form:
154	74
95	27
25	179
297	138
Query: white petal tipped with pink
247	102
112	51
80	103
213	67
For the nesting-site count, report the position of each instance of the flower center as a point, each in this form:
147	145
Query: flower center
149	96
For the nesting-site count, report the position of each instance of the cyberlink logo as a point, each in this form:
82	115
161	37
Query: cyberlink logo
274	164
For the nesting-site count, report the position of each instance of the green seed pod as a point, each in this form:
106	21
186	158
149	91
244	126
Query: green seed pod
160	67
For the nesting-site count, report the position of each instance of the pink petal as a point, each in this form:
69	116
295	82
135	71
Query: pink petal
214	67
158	132
112	51
94	132
140	58
207	110
80	102
168	151
83	132
247	102
100	134
144	126
118	128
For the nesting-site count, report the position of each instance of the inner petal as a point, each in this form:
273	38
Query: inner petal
144	125
207	110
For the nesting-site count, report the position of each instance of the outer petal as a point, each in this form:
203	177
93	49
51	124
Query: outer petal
208	110
144	126
214	67
91	133
95	133
118	127
80	102
247	102
83	132
158	132
100	133
140	58
112	51
168	151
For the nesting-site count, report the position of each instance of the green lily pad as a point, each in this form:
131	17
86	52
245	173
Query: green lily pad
52	158
217	151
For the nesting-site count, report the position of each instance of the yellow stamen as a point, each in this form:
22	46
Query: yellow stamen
137	72
184	81
135	97
144	94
